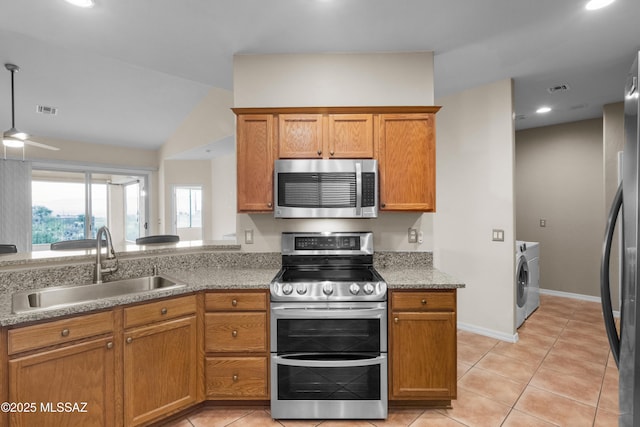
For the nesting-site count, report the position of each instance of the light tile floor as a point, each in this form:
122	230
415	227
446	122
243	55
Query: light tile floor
560	373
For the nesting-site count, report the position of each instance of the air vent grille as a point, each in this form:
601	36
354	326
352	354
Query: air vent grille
43	109
558	88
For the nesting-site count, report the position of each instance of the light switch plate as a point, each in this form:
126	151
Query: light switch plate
248	237
498	235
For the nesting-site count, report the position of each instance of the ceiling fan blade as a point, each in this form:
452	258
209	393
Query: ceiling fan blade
40	145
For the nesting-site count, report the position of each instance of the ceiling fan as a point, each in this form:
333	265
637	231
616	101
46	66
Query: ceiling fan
13	137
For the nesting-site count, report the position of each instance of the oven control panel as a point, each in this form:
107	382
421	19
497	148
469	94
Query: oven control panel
335	243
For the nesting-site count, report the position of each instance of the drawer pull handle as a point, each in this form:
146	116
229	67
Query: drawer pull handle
319	152
235	378
65	332
331	152
129	340
234	302
395	319
424	302
163	310
234	334
110	345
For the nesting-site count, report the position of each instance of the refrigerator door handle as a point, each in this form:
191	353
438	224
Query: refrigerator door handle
605	287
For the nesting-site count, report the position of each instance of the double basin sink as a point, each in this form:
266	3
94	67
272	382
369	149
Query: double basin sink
63	296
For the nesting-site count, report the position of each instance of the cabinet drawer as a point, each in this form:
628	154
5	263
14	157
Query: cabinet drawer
236	378
236	332
159	311
236	301
423	300
59	331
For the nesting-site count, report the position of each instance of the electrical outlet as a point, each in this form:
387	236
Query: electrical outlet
498	235
543	222
248	237
413	235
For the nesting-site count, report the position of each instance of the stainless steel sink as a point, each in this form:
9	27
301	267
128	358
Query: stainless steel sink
63	296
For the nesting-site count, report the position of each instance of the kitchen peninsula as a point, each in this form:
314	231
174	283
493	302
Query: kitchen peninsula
105	350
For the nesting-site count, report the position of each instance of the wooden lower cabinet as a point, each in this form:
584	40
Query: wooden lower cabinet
237	346
422	346
160	369
68	386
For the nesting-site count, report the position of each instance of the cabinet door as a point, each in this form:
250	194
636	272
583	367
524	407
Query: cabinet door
237	378
406	161
159	369
255	151
80	377
300	136
350	136
423	356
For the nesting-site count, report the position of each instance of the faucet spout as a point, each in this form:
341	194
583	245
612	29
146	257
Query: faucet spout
111	254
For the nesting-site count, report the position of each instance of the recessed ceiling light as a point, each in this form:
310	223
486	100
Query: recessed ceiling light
543	110
598	4
81	3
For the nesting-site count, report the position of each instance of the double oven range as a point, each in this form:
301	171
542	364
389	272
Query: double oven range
328	329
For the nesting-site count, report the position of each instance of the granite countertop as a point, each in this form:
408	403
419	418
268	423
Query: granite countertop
222	278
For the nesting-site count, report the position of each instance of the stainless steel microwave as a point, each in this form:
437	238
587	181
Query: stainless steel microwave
315	188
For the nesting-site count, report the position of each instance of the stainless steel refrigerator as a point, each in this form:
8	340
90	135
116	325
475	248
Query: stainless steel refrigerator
624	343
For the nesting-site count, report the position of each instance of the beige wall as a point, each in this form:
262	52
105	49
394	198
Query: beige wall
211	120
559	178
335	80
223	196
474	196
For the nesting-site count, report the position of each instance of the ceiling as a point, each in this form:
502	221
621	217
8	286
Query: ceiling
128	72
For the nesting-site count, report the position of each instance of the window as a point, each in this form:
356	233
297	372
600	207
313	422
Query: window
71	205
187	212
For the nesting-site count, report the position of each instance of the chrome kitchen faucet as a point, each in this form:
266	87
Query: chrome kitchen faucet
111	254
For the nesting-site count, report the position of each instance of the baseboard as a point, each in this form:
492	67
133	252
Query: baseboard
488	332
575	296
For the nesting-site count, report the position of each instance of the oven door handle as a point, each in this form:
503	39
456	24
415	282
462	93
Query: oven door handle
288	361
301	313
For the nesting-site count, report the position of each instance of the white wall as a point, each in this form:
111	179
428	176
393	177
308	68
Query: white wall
223	197
335	80
475	194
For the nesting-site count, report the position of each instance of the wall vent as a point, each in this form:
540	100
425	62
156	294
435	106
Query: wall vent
558	88
43	109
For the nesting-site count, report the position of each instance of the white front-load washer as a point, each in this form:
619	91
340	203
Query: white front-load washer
521	283
532	254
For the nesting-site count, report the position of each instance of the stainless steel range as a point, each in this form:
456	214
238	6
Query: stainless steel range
328	329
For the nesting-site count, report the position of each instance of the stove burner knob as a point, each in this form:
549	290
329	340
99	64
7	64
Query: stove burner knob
368	289
287	289
327	288
354	288
301	289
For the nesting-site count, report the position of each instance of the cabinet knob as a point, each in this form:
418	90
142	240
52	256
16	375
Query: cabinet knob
235	378
110	345
331	153
423	302
65	332
382	205
234	334
163	310
319	152
395	320
234	302
129	340
269	205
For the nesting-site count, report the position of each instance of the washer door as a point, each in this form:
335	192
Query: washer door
522	281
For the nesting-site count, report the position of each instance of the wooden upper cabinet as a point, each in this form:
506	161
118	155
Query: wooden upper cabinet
300	136
332	136
407	162
350	136
255	156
